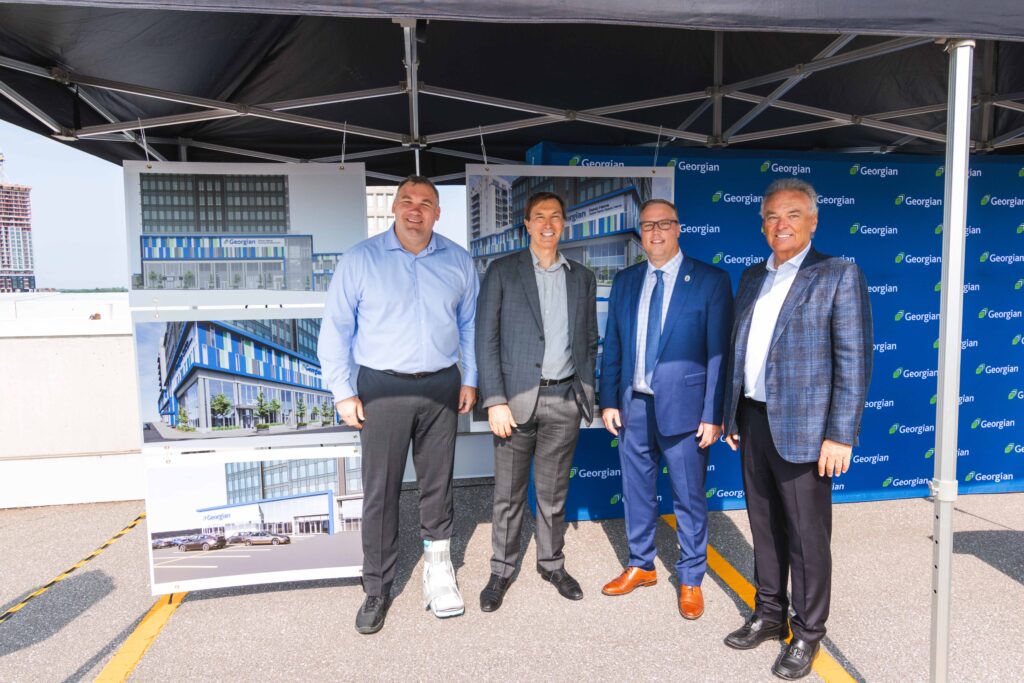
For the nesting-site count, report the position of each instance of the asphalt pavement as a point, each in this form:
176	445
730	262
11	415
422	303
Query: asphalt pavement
878	630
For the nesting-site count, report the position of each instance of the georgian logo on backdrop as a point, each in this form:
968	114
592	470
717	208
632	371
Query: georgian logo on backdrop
1003	370
790	168
899	483
992	314
917	260
993	477
898	428
874	230
1002	202
912	317
734	259
877	171
904	199
1001	259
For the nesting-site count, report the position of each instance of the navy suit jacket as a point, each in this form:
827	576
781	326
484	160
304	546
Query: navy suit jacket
819	361
689	376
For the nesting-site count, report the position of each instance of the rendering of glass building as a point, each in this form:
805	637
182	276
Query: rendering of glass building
220	375
600	229
202	231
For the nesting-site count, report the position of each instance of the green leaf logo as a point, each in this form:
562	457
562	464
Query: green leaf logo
980	369
982	313
854	228
933	399
716	197
985	200
900	198
984	257
572	473
710	493
1013	394
1016	340
935	344
977	421
1020	228
895	428
938	229
765	166
854	169
939	171
671	163
938	286
899	257
1018	284
897	372
718	257
970	475
1009	448
885	484
616	498
1020	173
929	453
614	443
899	315
575	161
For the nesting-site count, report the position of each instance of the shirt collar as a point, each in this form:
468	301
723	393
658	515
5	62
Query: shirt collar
559	262
391	242
794	262
671	268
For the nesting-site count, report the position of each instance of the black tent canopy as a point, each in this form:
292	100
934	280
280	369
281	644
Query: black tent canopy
410	93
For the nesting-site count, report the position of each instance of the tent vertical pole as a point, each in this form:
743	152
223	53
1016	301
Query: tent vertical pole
944	483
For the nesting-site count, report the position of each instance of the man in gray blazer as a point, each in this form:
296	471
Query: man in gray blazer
798	376
536	343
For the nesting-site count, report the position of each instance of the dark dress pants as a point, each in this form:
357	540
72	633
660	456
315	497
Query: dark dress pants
790	512
400	410
548	441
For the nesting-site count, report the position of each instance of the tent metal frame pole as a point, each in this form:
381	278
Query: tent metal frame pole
31	109
337	98
716	89
198	144
954	237
493	128
446	178
384	176
830	50
649	103
469	155
1009	136
155	122
988	84
363	155
1015	106
412	65
912	111
789	130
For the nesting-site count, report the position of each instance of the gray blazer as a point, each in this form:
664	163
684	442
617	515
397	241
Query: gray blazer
510	335
819	361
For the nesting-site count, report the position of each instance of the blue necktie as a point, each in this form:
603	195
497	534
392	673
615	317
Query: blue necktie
653	328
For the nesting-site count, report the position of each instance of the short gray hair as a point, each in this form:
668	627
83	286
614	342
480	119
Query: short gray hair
791	185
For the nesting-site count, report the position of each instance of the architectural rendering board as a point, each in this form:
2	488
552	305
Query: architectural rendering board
231	519
211	233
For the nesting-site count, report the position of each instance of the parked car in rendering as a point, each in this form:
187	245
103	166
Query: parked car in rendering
164	543
264	538
204	542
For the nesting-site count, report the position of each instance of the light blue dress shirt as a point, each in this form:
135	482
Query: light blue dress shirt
390	309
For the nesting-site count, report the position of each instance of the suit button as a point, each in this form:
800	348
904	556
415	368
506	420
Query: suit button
542	337
538	365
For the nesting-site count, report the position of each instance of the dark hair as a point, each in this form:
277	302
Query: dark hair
419	180
539	197
663	202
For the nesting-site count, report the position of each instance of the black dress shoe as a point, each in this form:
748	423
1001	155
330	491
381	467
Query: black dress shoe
753	633
492	596
795	661
370	617
567	586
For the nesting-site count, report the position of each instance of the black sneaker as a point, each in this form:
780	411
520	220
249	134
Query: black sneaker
371	615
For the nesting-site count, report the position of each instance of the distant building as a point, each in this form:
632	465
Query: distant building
215	375
17	267
379	200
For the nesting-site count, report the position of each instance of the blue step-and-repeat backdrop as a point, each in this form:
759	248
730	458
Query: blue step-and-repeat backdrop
885	213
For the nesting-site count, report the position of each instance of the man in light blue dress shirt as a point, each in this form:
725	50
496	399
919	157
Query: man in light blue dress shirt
399	320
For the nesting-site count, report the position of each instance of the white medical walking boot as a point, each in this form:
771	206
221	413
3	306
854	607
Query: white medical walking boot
440	590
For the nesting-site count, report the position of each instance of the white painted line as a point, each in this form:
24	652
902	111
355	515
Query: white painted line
189	566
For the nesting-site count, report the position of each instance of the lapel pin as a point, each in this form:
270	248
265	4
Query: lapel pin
686	278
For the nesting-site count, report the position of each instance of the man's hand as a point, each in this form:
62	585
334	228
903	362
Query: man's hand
467	397
612	420
708	434
351	411
733	440
499	417
834	459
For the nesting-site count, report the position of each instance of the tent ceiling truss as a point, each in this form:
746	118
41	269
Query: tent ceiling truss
133	132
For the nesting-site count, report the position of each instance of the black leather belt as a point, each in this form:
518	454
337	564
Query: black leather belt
412	375
553	382
760	405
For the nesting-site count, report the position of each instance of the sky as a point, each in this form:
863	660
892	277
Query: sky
78	226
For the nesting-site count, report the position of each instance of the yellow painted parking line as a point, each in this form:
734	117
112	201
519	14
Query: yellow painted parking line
67	572
130	653
825	665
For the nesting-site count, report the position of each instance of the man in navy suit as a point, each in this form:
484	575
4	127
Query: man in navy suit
799	369
662	381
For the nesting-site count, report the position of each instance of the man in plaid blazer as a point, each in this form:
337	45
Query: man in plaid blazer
798	377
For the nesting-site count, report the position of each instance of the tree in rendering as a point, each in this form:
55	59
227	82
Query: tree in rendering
327	411
262	407
274	406
300	409
221	407
189	279
182	418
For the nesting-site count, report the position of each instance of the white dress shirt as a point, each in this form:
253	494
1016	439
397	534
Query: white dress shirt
762	325
669	272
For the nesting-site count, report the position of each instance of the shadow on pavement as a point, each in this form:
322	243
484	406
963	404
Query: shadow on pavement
46	615
1002	549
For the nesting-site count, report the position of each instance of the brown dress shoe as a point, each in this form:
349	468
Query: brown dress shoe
691	602
629	580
